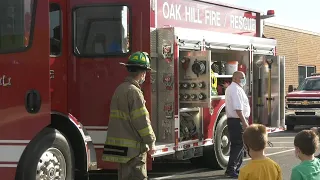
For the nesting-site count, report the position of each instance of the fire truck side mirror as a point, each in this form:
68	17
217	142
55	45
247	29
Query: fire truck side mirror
290	88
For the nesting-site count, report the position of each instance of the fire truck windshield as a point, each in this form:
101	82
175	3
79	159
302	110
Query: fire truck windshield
15	24
101	30
310	84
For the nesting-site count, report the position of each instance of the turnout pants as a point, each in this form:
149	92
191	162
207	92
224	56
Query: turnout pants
236	151
135	169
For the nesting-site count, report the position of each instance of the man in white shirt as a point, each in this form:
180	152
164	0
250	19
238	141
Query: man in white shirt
238	111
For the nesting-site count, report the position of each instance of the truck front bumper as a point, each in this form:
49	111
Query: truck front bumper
302	117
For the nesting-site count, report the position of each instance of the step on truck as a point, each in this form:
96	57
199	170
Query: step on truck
59	65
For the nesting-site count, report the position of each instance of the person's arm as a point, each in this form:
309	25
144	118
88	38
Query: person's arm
140	119
295	175
238	106
242	118
279	173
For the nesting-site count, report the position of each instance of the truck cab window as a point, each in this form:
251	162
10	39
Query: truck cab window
101	31
15	24
312	84
55	29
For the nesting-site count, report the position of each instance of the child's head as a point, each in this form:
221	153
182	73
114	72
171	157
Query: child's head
306	143
255	137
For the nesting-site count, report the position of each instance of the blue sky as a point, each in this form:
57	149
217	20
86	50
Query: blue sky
302	14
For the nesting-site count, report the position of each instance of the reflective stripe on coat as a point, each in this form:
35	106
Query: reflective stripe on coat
129	130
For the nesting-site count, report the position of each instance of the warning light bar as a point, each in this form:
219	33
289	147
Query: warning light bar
270	14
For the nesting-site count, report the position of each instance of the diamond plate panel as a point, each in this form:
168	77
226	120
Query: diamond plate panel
154	93
165	85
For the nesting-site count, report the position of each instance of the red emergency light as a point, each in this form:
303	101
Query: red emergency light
249	15
270	12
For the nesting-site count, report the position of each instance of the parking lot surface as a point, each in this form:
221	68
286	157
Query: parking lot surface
282	152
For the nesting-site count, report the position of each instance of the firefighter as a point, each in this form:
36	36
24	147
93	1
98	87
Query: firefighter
130	135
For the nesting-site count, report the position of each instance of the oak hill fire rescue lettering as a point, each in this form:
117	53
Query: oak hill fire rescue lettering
187	13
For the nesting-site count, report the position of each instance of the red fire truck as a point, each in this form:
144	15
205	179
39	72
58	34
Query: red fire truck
53	125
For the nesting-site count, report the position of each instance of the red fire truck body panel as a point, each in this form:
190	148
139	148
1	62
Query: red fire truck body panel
24	68
83	76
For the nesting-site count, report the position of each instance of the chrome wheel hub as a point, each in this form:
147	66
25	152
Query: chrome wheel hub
51	165
225	143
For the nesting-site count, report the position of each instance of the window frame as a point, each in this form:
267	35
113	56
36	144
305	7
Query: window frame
31	35
73	21
306	69
61	29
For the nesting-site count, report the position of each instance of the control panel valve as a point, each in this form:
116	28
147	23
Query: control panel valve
185	85
186	96
185	64
201	85
202	96
193	85
193	96
198	67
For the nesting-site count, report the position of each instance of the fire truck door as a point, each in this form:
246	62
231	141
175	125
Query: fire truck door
24	69
58	54
104	33
267	87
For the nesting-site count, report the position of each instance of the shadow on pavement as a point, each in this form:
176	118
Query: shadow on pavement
291	133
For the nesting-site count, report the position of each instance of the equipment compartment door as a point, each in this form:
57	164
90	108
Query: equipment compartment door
24	69
266	90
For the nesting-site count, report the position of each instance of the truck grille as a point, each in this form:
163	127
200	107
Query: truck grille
303	103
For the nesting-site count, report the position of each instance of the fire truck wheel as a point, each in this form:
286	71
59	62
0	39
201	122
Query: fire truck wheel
48	156
222	142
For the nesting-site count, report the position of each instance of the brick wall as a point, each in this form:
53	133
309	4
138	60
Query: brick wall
298	46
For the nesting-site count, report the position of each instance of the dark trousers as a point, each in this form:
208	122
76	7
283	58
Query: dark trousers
236	151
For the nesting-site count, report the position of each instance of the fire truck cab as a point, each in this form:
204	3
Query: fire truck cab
59	64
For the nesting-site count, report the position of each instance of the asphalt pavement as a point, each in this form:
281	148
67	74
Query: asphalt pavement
282	152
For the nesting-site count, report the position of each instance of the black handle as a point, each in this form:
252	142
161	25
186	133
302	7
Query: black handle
33	101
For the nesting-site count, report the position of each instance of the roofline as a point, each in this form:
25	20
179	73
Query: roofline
217	2
291	28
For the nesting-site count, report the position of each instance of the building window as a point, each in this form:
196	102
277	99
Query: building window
16	18
55	29
305	71
101	31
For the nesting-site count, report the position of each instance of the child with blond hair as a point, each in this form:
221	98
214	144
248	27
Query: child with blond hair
260	167
306	143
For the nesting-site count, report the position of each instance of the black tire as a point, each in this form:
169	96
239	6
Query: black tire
48	141
221	130
212	155
290	127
